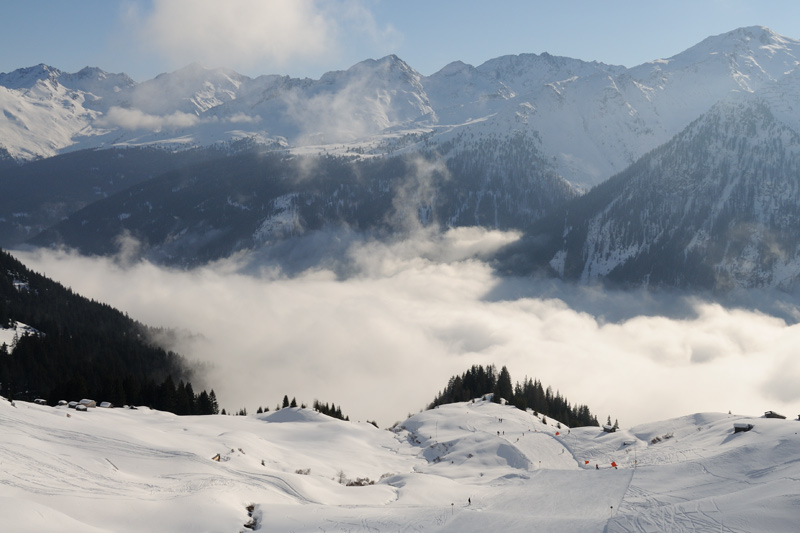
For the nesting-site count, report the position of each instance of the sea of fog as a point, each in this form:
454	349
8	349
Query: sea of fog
378	328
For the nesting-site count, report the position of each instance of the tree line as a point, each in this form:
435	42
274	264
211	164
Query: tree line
529	394
329	410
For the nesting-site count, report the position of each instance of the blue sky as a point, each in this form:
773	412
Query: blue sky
305	38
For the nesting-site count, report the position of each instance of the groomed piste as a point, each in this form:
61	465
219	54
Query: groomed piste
474	466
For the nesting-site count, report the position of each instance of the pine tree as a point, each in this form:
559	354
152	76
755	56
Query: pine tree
503	389
166	397
285	401
204	406
182	402
294	403
214	405
191	399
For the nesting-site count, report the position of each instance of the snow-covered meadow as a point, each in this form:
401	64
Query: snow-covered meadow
462	467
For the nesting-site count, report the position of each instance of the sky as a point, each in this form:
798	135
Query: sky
306	38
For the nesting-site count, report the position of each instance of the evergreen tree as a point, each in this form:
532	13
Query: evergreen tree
214	405
182	403
526	395
191	399
166	399
88	349
503	388
204	406
285	401
331	410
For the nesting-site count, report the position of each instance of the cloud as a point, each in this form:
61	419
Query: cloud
244	33
241	118
383	340
134	119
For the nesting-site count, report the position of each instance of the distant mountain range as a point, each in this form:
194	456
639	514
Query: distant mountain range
593	119
702	148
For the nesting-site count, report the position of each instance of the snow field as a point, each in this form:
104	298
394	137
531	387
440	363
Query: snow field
446	469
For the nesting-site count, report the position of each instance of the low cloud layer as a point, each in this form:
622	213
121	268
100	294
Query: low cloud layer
135	119
384	340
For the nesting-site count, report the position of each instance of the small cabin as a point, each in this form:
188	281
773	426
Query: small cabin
609	428
773	414
40	401
740	427
81	407
88	403
107	405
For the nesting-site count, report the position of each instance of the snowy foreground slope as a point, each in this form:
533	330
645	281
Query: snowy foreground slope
142	470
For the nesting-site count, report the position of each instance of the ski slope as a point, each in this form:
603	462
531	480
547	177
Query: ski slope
474	466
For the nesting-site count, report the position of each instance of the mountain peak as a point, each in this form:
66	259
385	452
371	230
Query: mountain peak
91	72
25	78
745	40
454	67
386	68
96	80
390	62
759	33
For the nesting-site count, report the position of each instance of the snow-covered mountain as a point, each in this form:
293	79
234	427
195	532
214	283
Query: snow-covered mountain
717	207
211	210
475	466
702	147
592	119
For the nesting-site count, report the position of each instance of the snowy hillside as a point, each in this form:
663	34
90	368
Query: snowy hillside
593	120
714	208
461	467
